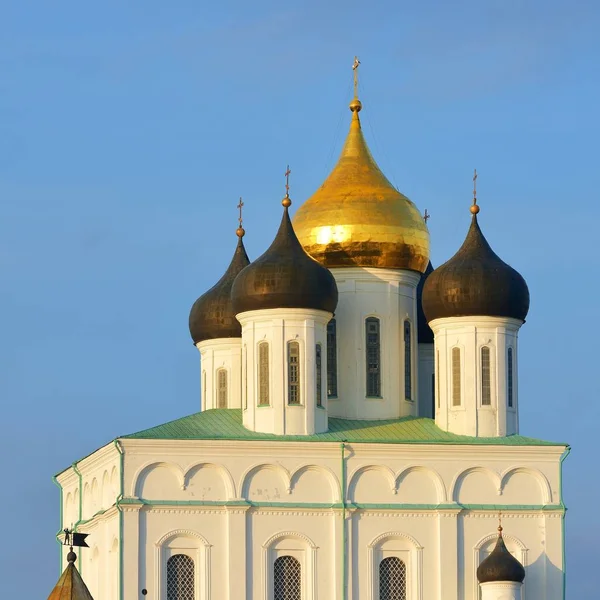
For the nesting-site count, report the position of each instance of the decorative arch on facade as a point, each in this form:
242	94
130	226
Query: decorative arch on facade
460	478
408	549
107	497
86	501
282	473
114	482
545	489
303	549
354	479
143	472
328	473
190	543
223	472
433	475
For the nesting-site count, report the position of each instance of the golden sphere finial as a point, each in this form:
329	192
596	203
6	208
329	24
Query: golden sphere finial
240	232
286	201
474	209
355	105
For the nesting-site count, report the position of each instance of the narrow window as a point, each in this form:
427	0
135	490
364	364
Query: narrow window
407	362
373	356
392	579
510	377
455	376
221	388
318	375
486	384
293	373
263	374
332	359
437	370
287	579
180	578
433	395
245	377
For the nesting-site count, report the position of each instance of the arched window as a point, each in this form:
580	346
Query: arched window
332	359
180	578
287	579
293	373
486	377
433	395
221	388
407	362
373	357
456	387
392	579
509	370
318	376
263	374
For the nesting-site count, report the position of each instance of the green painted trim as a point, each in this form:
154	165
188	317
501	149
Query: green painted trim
79	520
60	487
563	524
118	502
343	505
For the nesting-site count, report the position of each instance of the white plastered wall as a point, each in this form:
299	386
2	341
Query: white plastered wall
278	327
469	335
390	296
215	355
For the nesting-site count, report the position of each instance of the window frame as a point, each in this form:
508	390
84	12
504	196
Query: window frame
301	583
387	560
191	563
222	371
294	368
331	349
485	375
408	366
457	375
376	348
263	382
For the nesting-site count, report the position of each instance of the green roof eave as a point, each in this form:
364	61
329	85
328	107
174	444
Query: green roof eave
226	424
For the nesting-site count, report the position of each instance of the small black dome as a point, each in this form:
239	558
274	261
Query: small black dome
424	333
212	315
500	565
285	276
475	282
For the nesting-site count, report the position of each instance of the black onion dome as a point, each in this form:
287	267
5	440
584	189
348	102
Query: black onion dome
500	565
285	276
475	282
212	315
424	333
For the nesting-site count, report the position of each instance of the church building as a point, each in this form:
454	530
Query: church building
358	428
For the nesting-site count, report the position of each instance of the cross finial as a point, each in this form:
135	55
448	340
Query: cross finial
240	230
500	524
286	201
355	66
474	207
426	217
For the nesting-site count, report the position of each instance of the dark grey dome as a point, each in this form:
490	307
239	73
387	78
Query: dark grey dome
285	276
212	315
475	282
424	332
500	565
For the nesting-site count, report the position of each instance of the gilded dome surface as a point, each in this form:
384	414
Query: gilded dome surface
358	218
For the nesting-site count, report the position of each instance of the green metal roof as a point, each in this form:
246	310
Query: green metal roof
226	424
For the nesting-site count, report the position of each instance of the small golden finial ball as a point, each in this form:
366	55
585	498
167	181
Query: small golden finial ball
240	232
286	202
355	105
474	209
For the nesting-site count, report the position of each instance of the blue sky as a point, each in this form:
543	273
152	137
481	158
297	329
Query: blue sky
129	130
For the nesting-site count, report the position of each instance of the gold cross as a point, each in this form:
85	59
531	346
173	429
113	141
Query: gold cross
355	65
240	206
426	216
475	187
287	181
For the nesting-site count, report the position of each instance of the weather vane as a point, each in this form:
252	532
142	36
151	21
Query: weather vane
426	217
355	65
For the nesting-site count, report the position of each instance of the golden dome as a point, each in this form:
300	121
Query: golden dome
358	218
